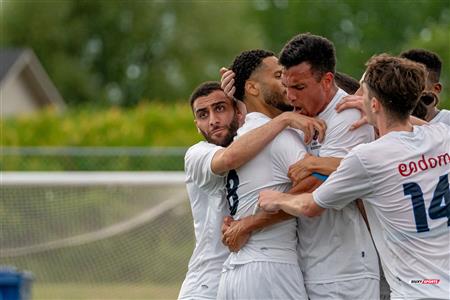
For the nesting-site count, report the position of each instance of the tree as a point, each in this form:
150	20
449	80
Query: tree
120	52
358	29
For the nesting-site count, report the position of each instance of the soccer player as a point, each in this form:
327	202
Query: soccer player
348	269
403	180
428	102
217	118
267	266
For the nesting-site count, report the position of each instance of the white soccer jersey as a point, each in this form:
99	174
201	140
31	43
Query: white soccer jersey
337	245
267	170
403	180
443	116
207	198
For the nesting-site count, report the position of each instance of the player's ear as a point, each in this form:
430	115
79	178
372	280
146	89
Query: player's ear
196	126
437	88
327	80
241	111
252	88
375	105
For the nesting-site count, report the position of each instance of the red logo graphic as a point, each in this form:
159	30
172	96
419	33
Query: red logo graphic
426	281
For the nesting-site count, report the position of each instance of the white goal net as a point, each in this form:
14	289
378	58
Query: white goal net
97	235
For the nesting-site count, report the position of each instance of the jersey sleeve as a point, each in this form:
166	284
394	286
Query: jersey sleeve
350	182
286	149
339	140
198	167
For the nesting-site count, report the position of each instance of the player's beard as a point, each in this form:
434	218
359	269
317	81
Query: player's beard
276	99
228	138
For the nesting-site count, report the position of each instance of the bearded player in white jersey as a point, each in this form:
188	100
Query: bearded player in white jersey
266	267
217	118
349	269
403	180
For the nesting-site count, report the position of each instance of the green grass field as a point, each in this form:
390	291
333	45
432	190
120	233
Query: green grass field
103	291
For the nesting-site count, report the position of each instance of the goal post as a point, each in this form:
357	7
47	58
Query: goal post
98	231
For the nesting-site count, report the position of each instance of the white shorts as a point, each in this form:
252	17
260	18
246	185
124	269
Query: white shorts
262	280
361	289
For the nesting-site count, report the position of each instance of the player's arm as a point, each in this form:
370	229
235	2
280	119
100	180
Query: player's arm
303	204
251	143
236	233
357	102
312	164
350	181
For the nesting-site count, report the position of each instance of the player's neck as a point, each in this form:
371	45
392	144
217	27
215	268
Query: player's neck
431	114
386	126
330	96
258	105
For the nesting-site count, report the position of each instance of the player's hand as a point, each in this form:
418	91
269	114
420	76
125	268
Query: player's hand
310	126
269	200
353	101
227	82
301	169
307	185
235	237
226	224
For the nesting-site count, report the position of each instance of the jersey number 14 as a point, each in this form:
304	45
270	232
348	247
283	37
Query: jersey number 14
436	210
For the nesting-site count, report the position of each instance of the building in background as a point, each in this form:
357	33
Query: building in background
24	85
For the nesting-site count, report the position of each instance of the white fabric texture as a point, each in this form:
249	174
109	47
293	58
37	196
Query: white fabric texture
403	180
207	198
336	245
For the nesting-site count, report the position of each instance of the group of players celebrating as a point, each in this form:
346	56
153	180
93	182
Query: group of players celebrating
308	181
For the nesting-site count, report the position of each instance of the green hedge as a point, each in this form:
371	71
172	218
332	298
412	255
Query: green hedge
148	124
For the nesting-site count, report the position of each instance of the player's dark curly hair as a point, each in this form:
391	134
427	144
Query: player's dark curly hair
244	65
431	60
318	51
396	82
204	89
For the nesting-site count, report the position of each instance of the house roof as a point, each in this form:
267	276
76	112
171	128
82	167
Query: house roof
8	57
14	61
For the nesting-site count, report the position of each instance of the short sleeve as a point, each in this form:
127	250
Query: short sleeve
286	149
348	183
339	140
197	164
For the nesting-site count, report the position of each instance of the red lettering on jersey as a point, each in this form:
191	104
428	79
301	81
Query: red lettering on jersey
407	169
423	163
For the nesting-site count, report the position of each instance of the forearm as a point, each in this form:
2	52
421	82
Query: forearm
263	219
302	204
324	165
247	146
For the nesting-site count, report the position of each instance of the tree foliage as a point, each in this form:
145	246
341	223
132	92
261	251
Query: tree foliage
361	28
123	51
